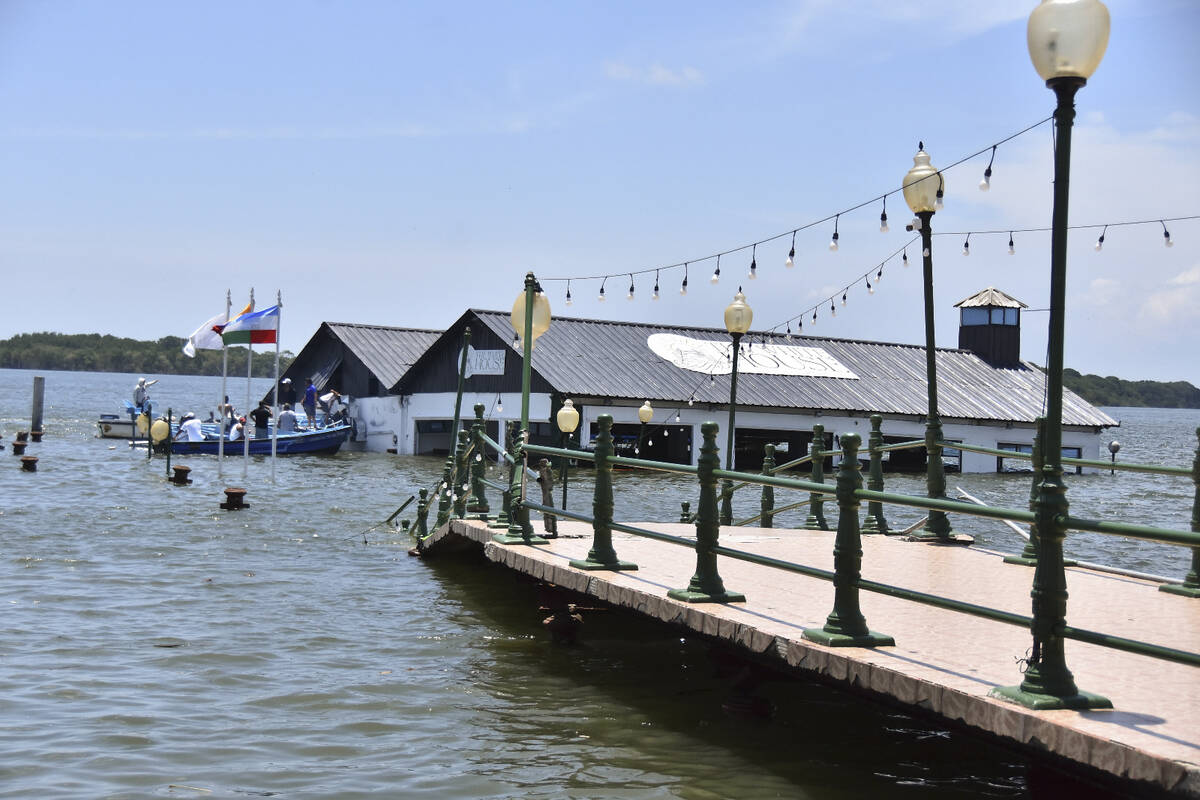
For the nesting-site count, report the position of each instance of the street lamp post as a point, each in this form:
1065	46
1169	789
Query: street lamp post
738	316
1067	39
645	414
530	319
568	420
923	189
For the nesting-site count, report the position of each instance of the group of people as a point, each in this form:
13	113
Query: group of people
235	427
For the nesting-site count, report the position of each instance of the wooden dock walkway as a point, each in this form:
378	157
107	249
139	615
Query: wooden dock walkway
943	662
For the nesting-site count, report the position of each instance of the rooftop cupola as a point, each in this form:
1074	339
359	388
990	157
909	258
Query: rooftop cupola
990	327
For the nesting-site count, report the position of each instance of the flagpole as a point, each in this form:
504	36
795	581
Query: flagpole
221	405
246	424
275	394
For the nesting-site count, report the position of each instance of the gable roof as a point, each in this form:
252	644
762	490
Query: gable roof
387	352
991	297
598	358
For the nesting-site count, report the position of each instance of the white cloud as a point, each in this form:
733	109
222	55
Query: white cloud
653	75
1167	305
1187	277
1102	292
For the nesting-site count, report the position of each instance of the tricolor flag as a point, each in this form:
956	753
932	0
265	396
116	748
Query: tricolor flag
259	327
220	326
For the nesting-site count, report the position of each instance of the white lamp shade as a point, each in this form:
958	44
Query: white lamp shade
541	315
1067	38
567	417
921	184
738	315
646	413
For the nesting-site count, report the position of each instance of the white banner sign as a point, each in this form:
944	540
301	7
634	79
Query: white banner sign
712	358
483	362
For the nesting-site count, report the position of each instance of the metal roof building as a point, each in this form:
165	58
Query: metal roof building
359	360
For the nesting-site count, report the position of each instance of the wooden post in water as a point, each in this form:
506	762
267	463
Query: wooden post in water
39	399
169	442
602	555
1191	583
767	506
846	626
816	501
706	585
875	522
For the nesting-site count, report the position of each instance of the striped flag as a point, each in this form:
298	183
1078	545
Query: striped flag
220	327
259	327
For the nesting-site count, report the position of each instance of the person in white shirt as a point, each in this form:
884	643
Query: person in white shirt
190	428
287	419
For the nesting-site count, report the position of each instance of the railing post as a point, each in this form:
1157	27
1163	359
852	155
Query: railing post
1029	553
504	518
602	555
846	626
767	519
445	488
875	522
461	474
816	502
479	502
422	529
520	531
706	585
1191	583
685	509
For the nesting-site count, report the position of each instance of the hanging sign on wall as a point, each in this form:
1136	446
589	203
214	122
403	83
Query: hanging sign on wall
712	358
483	362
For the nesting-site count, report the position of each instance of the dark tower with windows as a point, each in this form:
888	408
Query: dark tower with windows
990	327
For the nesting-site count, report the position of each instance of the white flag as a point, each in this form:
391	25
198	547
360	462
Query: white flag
205	338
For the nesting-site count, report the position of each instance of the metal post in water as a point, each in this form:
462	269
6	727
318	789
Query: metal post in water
846	626
1191	583
706	585
602	555
767	505
816	501
170	443
875	522
39	399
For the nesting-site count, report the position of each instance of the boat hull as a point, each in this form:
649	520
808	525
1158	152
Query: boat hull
320	441
110	426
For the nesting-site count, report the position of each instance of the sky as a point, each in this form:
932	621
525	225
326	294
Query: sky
397	163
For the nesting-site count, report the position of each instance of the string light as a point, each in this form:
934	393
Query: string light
601	297
904	259
499	404
1012	249
986	183
883	226
630	295
1100	241
833	243
870	288
1166	235
925	253
789	330
937	201
655	295
967	245
844	296
832	309
569	300
791	253
676	417
814	319
683	286
879	275
716	276
753	263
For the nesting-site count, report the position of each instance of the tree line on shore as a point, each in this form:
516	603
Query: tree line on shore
93	352
1113	391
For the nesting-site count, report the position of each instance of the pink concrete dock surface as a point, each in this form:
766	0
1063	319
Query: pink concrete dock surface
943	662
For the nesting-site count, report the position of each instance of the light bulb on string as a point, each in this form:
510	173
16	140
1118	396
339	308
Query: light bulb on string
986	183
569	300
683	286
925	253
1100	241
630	295
716	276
1012	249
692	400
937	202
788	335
499	404
677	415
800	326
870	288
1166	235
879	274
791	253
967	245
753	263
904	257
883	226
832	309
844	297
814	319
655	295
833	243
601	297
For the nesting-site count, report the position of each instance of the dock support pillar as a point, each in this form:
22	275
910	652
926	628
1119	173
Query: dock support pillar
706	585
875	522
1191	583
846	626
816	502
603	555
767	507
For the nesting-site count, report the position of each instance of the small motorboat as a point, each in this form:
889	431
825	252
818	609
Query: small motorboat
312	440
121	426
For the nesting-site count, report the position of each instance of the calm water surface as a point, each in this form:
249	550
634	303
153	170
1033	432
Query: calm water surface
152	645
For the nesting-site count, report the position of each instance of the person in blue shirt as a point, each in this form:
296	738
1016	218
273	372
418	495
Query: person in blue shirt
310	404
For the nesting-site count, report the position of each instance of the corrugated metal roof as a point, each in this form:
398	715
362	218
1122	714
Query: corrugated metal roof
386	352
990	296
595	358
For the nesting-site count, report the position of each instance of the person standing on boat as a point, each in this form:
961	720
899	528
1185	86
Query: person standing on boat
287	419
262	418
190	429
310	404
141	395
287	392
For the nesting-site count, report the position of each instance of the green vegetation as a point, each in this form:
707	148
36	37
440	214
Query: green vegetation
91	352
1112	391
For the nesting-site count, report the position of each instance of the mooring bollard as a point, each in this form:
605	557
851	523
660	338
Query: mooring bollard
29	463
36	435
846	626
816	500
685	511
706	585
234	499
1191	582
875	523
22	436
767	519
603	555
19	447
180	478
